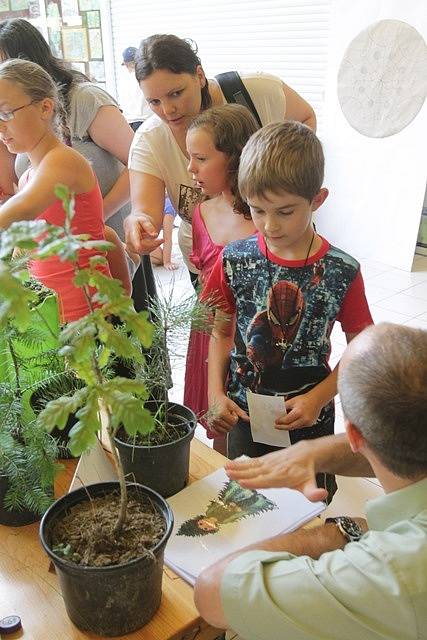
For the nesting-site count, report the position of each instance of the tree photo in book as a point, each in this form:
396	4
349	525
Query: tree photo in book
233	503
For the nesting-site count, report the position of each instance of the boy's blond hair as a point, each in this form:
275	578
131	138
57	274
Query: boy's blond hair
286	156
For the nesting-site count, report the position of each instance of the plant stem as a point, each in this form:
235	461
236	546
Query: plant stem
15	366
166	367
122	480
117	462
45	322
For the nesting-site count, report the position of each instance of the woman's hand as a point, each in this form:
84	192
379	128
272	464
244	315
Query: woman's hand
141	234
170	266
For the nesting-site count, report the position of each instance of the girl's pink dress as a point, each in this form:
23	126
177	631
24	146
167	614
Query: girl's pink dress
203	256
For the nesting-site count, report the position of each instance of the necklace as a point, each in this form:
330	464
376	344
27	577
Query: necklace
274	314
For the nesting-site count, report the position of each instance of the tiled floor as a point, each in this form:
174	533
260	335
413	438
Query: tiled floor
393	295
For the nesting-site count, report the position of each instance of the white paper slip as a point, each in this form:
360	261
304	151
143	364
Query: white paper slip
263	412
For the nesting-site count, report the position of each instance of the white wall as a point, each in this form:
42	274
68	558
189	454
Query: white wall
377	185
288	38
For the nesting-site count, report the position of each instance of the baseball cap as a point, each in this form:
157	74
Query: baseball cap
129	54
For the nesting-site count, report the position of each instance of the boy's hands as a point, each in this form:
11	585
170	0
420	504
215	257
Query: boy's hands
302	411
224	414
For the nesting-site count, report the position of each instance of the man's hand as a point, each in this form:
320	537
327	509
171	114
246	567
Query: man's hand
293	467
224	414
141	234
302	411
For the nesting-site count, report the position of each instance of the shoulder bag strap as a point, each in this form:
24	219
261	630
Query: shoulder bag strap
235	91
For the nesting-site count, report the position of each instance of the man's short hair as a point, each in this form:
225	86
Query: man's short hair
383	390
286	156
129	55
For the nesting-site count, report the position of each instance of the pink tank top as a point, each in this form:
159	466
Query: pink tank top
205	251
59	275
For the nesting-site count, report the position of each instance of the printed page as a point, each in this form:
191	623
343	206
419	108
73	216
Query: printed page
216	516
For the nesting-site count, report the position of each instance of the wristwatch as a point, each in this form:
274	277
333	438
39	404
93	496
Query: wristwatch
349	528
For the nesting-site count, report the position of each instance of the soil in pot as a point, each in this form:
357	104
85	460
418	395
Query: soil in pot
85	535
160	460
111	586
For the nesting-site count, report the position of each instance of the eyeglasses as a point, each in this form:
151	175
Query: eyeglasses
5	116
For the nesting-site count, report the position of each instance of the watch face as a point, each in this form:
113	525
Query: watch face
350	526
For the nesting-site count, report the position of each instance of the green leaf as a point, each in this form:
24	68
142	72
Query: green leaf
98	245
130	412
124	385
108	287
62	192
94	261
82	277
20	234
104	357
54	248
57	412
139	324
14	300
83	434
118	342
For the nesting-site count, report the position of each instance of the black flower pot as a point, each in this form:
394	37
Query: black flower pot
110	600
163	467
14	518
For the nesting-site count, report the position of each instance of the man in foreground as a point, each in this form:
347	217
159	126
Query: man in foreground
337	581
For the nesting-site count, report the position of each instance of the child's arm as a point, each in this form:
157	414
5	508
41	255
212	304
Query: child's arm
57	167
303	411
225	412
7	173
167	242
117	260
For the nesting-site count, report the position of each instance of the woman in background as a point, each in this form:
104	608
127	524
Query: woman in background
97	128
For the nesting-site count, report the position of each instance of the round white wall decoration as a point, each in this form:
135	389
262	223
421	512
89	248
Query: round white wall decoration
382	80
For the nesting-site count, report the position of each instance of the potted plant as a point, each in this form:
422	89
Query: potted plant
27	451
160	459
106	540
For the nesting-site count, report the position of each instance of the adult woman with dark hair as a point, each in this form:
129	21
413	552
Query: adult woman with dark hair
97	128
172	79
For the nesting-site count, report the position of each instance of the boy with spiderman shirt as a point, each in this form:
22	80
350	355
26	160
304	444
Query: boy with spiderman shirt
280	293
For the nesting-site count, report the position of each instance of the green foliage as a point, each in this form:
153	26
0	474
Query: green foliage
27	452
172	321
15	301
27	455
89	343
112	329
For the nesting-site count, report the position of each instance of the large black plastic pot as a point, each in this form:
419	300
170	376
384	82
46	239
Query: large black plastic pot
114	600
164	467
14	518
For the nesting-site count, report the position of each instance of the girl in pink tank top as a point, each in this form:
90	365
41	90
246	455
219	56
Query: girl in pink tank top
30	121
215	140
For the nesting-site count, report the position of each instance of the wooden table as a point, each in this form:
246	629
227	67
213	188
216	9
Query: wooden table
30	590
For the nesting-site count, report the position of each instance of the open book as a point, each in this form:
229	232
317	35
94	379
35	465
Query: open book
216	516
